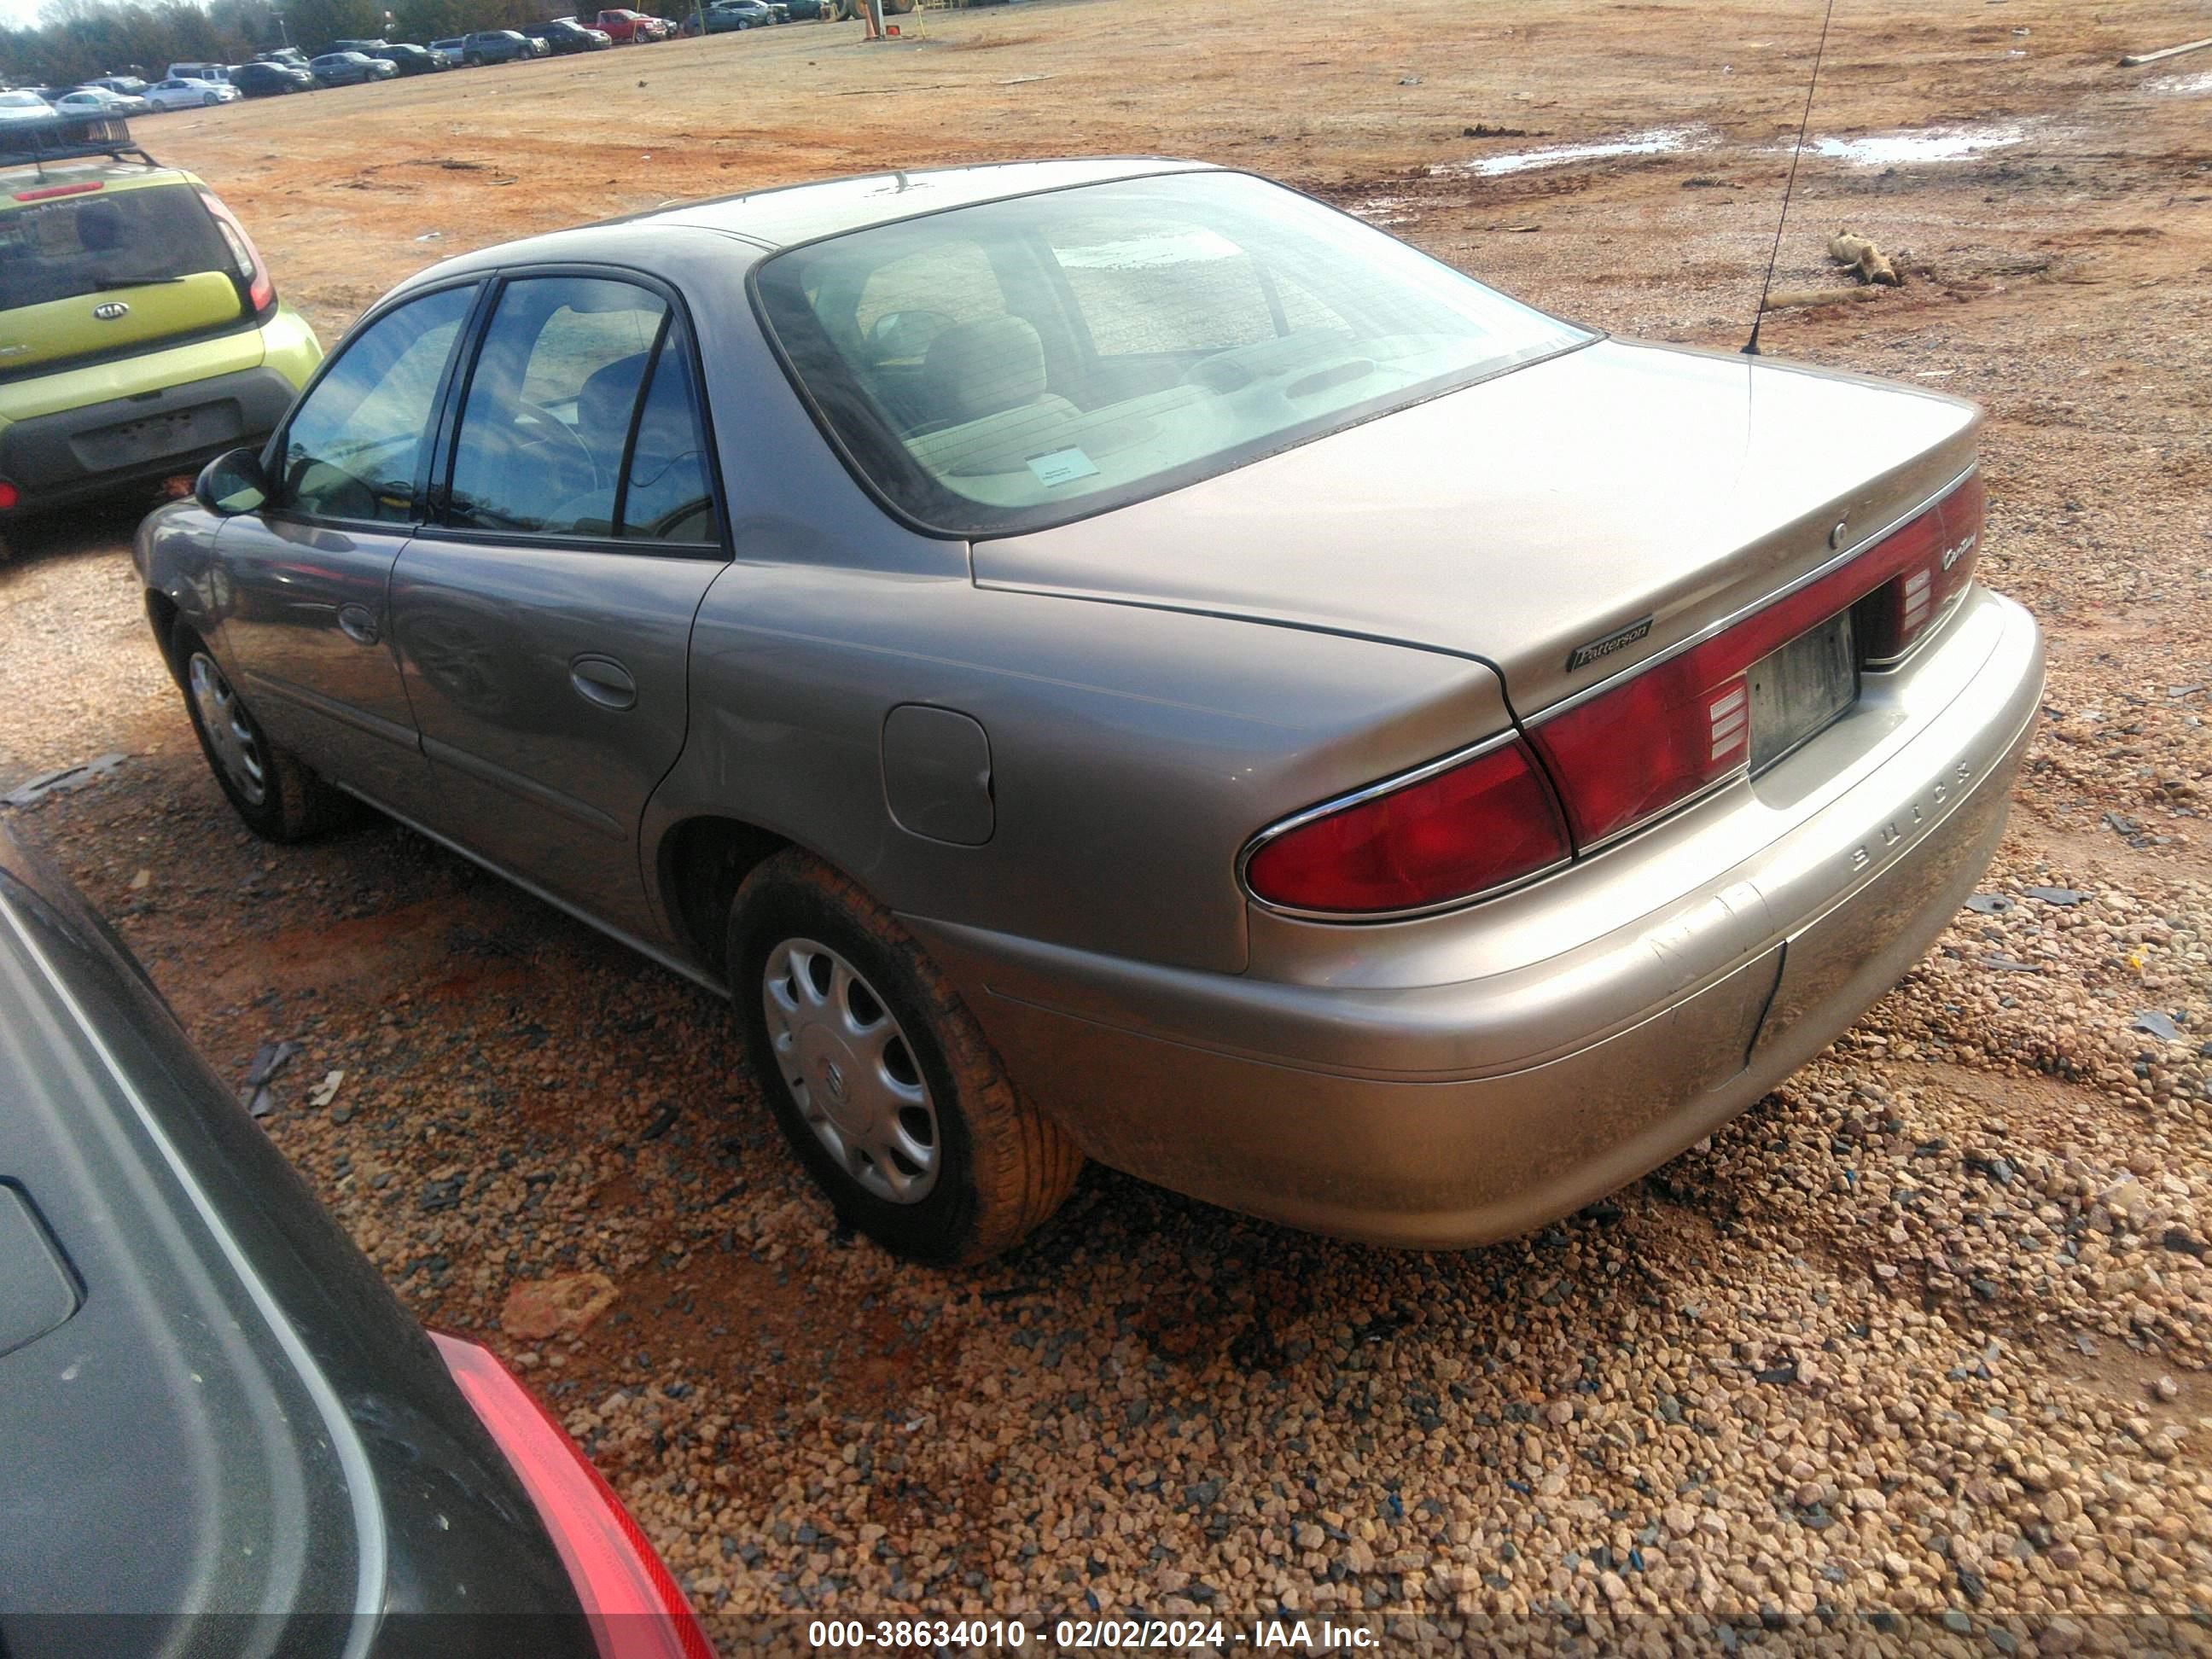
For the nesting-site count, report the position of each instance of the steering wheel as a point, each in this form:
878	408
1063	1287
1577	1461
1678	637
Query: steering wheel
542	435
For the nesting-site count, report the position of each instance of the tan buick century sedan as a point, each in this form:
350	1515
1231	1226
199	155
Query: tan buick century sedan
1118	660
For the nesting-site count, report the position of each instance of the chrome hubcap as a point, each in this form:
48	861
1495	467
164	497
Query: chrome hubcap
851	1071
223	717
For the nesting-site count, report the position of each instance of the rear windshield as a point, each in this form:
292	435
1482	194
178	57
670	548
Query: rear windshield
1021	363
79	245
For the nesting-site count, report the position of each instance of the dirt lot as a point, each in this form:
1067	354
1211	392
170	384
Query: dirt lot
1926	1331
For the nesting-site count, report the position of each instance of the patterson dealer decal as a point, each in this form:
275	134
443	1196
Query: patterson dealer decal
1583	655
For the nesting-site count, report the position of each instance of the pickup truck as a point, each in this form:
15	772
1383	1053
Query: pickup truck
630	28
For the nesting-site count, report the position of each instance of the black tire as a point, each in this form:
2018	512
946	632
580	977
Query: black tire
1002	1166
288	803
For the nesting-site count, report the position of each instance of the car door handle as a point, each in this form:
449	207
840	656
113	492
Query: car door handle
358	624
603	681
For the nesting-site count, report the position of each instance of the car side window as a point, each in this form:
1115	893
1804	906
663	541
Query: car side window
549	405
666	496
353	448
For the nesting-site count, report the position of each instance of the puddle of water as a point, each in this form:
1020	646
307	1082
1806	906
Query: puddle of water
1931	144
1382	210
1658	141
2181	86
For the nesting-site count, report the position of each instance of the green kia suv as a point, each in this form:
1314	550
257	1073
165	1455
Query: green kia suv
140	333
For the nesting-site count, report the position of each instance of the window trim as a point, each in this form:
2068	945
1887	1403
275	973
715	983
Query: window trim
271	452
1168	483
437	494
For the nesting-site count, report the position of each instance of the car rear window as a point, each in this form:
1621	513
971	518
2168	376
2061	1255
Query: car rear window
89	244
1021	363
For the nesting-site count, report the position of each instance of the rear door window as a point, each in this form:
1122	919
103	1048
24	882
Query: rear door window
98	242
554	408
665	495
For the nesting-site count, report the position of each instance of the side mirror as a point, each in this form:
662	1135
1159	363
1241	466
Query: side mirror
232	484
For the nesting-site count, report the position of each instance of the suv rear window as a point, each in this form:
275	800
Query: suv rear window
89	244
1020	363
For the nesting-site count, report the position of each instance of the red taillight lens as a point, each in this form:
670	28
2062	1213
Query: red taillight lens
252	270
1943	564
9	497
1666	731
635	1608
1456	833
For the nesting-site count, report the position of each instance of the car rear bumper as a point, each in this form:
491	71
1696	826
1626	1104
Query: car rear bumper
1460	1079
56	459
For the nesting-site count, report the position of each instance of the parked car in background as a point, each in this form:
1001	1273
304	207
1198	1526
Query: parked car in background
269	80
22	106
99	101
1474	837
451	53
129	85
349	69
186	1333
363	46
291	55
496	46
139	331
565	35
410	59
727	15
197	72
630	28
188	94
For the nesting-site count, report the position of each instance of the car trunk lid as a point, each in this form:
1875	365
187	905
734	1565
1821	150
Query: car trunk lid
1562	522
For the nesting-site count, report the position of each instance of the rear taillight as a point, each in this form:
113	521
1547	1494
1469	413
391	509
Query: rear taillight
635	1608
1445	833
1895	617
1631	750
260	288
10	497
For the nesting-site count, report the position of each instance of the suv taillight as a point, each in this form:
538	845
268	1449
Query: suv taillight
253	278
636	1609
1448	832
1663	733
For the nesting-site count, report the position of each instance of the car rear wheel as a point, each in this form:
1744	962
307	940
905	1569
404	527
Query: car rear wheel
878	1075
269	787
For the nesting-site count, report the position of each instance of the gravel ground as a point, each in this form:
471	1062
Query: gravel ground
1926	1333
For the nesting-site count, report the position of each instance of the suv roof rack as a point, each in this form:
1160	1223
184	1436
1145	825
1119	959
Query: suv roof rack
68	138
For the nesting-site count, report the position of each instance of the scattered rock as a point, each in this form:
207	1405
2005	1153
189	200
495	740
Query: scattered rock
565	1305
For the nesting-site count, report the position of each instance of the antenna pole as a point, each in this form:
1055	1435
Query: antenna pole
1751	346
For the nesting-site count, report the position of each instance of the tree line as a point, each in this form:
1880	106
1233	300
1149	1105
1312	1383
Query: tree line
76	41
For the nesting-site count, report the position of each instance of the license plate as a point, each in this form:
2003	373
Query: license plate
1799	688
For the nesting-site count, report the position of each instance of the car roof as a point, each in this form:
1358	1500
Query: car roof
109	173
774	219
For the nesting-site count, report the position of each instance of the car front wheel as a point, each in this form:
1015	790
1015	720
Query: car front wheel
269	787
880	1078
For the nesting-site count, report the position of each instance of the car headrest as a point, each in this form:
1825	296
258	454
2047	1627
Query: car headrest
99	227
604	402
979	369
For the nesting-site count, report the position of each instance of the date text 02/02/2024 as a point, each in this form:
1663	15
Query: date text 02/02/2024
1094	1634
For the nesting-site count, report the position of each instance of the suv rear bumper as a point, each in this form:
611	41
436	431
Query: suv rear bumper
56	459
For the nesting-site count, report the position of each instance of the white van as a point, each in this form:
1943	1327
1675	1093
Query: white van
199	72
